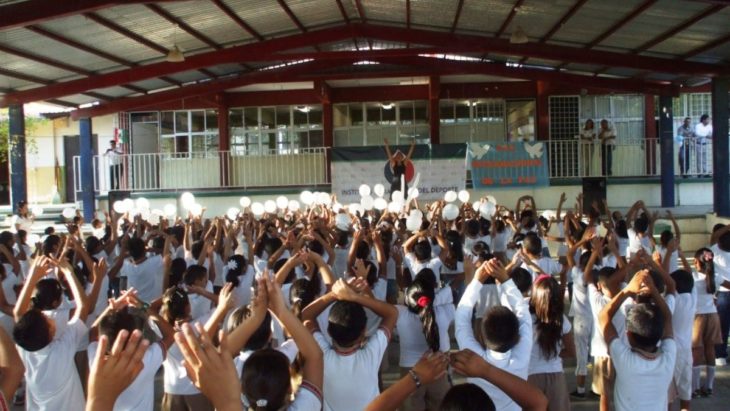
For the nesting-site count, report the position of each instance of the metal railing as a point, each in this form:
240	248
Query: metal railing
201	170
627	158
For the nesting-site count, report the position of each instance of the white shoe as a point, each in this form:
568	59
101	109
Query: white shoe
720	362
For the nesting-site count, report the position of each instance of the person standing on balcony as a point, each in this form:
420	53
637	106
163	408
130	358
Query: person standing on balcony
608	142
114	159
587	138
703	134
398	164
685	137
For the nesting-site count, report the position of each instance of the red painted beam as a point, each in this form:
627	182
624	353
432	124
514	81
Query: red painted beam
509	18
75	44
681	26
228	55
361	11
456	16
632	15
126	32
291	15
37	11
564	19
554	52
210	87
706	47
184	26
237	19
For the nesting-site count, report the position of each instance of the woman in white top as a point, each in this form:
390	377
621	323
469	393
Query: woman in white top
587	137
423	325
553	340
706	330
24	219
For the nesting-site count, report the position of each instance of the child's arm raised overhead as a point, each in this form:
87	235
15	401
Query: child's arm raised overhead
10	365
520	391
464	311
606	315
82	303
387	312
238	338
37	271
313	310
226	301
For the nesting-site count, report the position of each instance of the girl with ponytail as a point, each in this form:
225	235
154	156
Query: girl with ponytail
238	272
423	324
553	340
706	332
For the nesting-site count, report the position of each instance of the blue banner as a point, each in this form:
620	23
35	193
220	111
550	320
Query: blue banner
503	164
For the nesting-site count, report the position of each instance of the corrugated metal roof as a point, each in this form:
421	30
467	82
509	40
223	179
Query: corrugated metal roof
208	19
265	16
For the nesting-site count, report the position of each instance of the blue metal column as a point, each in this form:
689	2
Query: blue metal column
666	144
86	152
18	185
721	146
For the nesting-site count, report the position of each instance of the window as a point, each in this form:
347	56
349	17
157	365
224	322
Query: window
189	133
472	120
369	124
275	130
625	112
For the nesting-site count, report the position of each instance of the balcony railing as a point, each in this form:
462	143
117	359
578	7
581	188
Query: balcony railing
205	170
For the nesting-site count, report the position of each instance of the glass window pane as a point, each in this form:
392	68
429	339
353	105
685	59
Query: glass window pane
268	142
235	118
268	118
406	112
315	117
251	118
198	145
283	117
211	143
167	145
446	112
181	144
316	138
211	120
167	123
462	112
420	112
341	118
197	121
181	121
373	113
388	115
356	114
300	116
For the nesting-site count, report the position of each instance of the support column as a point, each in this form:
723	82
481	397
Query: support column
224	140
16	143
720	146
328	135
434	118
651	132
666	144
542	108
86	152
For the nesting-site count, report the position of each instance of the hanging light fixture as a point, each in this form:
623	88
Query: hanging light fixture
175	55
519	36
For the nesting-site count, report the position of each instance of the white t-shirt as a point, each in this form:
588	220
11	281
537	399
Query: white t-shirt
176	376
721	260
469	242
218	263
702	130
243	291
50	373
339	267
500	240
642	383
23	223
598	302
547	264
101	299
145	277
351	380
580	306
683	320
288	348
636	243
705	300
416	266
140	395
200	306
539	363
673	259
410	331
514	361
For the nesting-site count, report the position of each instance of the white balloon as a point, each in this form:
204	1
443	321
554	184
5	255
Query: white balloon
450	212
464	196
367	203
450	196
395	206
257	209
356	208
342	221
33	239
413	193
244	201
364	190
492	200
294	205
487	210
196	209
170	210
142	203
118	207
379	190
154	218
417	213
68	213
187	199
37	211
413	223
324	198
145	214
282	202
128	204
336	207
270	206
380	203
232	213
397	196
307	197
476	205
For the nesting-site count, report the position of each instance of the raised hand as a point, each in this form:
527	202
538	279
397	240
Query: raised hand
431	367
343	291
468	363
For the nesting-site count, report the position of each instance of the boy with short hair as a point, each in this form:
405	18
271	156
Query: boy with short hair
506	330
643	370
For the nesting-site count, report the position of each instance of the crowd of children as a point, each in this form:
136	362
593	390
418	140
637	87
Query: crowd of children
295	310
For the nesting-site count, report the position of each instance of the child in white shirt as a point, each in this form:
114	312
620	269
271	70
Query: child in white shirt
682	320
506	330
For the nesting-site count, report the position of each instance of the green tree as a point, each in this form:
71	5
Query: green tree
31	123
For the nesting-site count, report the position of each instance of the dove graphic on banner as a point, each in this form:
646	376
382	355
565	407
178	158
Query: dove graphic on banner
478	150
535	150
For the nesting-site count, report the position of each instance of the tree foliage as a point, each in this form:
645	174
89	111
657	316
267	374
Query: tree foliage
31	123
